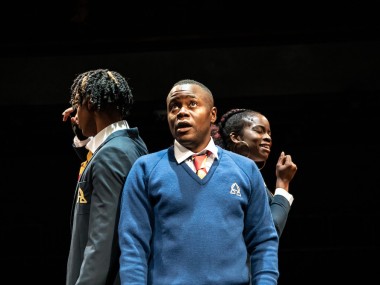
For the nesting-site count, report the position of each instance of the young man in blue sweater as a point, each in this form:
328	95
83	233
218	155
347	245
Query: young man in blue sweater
176	228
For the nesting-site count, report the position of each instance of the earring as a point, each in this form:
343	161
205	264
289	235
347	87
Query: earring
242	148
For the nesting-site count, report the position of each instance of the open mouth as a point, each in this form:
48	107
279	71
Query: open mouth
183	127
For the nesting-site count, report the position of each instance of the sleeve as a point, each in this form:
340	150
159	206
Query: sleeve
78	143
135	227
109	171
280	208
286	194
260	234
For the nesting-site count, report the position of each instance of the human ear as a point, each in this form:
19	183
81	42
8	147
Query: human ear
213	114
90	105
235	138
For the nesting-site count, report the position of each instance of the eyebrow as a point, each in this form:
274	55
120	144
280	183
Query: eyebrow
178	96
258	126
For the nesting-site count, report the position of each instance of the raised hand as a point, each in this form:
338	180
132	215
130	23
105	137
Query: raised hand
74	123
285	171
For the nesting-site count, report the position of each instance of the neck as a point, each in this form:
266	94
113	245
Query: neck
260	164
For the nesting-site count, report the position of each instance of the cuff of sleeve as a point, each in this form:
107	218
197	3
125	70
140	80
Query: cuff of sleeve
286	194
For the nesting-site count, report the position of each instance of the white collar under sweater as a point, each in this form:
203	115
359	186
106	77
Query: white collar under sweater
182	154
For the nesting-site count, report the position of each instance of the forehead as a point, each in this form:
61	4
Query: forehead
256	119
186	90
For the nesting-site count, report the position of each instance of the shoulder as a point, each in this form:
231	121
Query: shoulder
234	157
126	134
129	136
231	159
153	158
146	164
119	144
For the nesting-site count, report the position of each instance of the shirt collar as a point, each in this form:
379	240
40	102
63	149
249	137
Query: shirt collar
100	137
181	153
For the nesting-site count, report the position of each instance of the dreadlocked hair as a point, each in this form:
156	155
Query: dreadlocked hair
231	122
102	88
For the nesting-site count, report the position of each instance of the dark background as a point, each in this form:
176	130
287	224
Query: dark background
315	80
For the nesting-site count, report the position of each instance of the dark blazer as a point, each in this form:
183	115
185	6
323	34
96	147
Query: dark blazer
94	250
280	208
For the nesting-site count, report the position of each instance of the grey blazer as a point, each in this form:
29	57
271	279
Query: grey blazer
94	250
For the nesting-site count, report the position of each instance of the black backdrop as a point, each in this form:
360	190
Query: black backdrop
332	230
318	87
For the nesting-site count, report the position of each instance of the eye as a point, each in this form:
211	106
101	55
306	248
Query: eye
173	107
193	104
258	129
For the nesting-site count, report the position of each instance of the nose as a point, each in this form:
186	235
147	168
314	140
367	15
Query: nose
267	137
182	112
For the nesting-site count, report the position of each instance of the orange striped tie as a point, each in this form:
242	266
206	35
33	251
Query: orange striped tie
84	164
200	164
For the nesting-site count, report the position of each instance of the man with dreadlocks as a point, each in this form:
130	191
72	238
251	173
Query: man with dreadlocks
101	99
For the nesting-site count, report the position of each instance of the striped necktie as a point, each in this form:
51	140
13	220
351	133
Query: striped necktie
84	164
200	164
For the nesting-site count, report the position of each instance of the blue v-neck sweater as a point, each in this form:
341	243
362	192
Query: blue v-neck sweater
176	228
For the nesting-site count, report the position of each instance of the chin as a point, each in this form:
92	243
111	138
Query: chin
260	159
264	156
